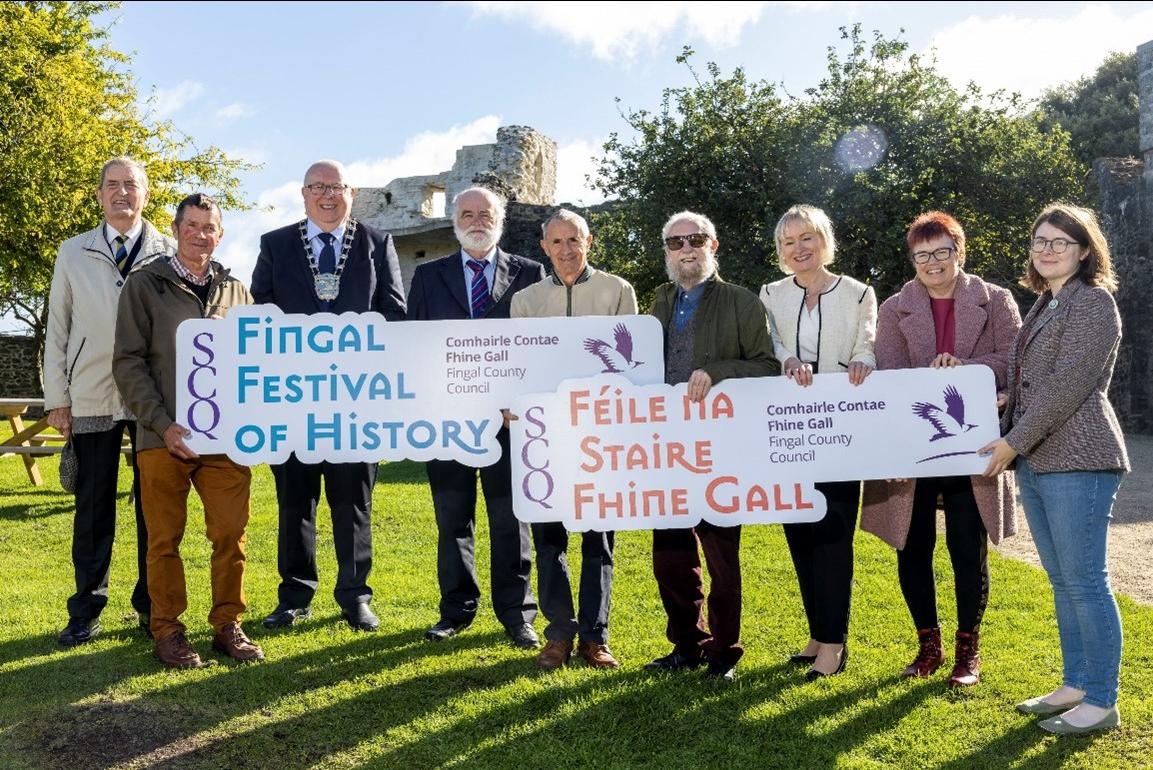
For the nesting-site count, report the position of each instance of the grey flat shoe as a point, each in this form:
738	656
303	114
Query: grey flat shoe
1040	707
1059	726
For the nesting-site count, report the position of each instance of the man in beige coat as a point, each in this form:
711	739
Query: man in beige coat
79	394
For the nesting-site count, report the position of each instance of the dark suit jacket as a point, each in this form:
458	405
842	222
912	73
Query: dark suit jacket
438	294
370	281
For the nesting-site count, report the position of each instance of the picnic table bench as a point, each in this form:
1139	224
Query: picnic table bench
34	440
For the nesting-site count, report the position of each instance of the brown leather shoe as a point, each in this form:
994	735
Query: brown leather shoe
929	656
597	655
967	670
554	655
175	652
233	643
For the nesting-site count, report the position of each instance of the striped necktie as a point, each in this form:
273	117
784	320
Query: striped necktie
121	254
481	299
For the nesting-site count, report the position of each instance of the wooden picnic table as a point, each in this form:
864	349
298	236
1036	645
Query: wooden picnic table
27	440
34	440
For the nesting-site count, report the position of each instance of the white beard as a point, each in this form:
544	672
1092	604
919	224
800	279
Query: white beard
697	273
483	242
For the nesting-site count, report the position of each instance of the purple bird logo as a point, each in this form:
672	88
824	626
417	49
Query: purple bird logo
947	422
617	358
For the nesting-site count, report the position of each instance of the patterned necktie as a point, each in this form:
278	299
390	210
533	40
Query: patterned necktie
481	299
121	254
326	262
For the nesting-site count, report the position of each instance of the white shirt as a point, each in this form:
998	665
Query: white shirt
312	232
809	335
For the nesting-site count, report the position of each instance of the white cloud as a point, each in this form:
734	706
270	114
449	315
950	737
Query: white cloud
429	152
166	102
234	111
575	161
1029	54
275	207
623	30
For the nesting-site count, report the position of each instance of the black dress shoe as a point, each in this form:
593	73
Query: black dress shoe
445	629
802	660
675	661
361	618
813	674
523	636
283	617
144	620
79	631
721	672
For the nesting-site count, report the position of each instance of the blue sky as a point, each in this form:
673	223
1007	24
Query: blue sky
392	89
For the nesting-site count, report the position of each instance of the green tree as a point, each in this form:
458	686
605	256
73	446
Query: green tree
1099	111
69	105
882	138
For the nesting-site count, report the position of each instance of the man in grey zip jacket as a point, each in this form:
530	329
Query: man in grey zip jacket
80	395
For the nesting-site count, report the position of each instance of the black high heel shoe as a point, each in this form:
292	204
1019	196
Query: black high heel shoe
813	675
801	659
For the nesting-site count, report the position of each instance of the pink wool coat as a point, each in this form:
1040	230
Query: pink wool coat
987	321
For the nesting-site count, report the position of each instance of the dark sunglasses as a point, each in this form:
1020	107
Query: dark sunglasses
677	242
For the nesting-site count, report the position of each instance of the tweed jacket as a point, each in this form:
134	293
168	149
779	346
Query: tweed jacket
848	322
82	303
986	324
731	330
594	293
1058	414
154	303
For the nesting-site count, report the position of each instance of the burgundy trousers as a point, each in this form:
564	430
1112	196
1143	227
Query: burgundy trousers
677	568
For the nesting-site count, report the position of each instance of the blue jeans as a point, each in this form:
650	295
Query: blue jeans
1069	514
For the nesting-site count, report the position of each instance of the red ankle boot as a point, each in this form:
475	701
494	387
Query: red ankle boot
929	657
967	670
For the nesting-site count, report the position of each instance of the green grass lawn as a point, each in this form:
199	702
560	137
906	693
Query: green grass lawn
328	697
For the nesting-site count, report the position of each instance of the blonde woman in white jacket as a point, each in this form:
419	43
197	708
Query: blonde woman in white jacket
821	323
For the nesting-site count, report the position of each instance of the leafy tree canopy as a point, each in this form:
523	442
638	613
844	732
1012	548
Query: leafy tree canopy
1099	111
69	105
882	138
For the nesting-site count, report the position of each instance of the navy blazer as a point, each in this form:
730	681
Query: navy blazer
370	281
437	292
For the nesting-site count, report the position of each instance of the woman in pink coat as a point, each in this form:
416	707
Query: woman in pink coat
944	317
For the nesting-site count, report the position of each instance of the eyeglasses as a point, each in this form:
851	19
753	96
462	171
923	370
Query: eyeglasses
318	189
677	242
1055	245
128	186
941	255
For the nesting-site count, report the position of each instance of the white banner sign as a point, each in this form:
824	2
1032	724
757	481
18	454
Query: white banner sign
607	454
261	384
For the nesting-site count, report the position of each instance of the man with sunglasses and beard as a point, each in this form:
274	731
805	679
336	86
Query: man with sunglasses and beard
713	331
477	282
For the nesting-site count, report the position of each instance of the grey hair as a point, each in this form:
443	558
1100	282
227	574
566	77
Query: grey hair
135	166
812	217
700	220
333	164
564	215
494	200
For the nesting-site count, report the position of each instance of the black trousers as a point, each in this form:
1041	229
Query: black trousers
591	619
348	489
968	544
822	554
94	527
453	488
